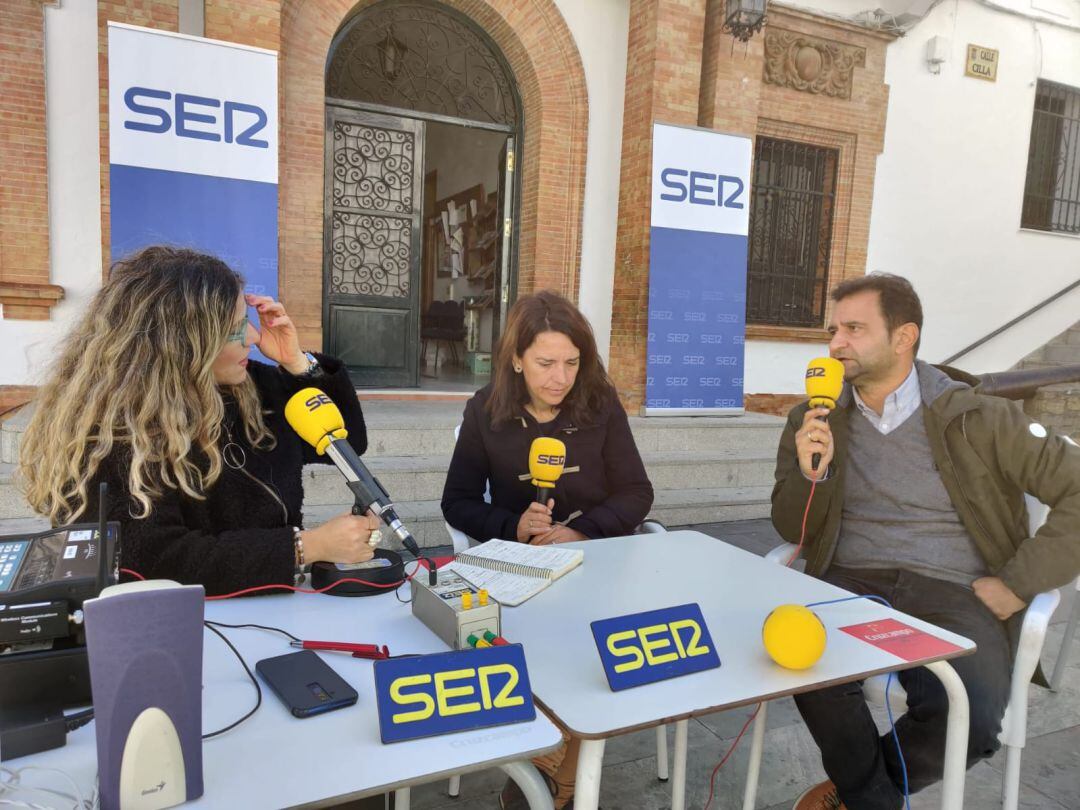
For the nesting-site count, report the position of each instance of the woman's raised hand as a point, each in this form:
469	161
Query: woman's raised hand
277	334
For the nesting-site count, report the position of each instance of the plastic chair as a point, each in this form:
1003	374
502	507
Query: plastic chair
1013	733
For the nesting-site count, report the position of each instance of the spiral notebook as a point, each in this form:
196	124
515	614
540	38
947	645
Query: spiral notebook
514	572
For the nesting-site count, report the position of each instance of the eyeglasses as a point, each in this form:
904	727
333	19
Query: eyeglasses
240	335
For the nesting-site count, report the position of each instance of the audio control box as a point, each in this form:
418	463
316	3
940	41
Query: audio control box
442	609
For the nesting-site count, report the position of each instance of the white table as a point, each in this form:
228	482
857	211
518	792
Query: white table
736	591
276	760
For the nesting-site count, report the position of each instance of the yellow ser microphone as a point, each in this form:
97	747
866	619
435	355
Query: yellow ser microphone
547	457
824	382
312	414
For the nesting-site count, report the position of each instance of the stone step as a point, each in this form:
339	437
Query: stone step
427	429
421	478
1061	353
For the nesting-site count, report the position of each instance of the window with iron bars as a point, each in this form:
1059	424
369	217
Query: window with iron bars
1052	190
791	216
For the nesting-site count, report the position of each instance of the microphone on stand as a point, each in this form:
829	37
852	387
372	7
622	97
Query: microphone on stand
824	382
313	415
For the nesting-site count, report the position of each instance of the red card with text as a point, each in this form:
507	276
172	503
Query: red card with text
900	639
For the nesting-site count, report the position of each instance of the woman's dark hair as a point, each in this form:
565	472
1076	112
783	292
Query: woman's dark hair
547	312
897	298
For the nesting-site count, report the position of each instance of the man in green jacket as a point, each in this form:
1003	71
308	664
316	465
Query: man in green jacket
919	499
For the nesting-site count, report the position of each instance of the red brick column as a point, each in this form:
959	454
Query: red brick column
663	82
25	291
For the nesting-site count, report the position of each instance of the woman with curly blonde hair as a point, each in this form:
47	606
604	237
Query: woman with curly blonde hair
153	392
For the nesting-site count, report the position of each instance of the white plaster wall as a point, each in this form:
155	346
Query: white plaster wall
950	184
600	28
71	98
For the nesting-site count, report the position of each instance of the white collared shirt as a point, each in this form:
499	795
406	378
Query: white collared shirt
899	405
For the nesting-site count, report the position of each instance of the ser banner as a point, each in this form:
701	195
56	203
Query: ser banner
697	272
193	149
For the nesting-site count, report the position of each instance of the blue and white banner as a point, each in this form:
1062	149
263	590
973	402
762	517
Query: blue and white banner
193	149
697	272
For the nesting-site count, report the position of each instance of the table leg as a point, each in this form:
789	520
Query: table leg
590	762
956	736
678	783
530	781
757	745
453	789
401	798
661	753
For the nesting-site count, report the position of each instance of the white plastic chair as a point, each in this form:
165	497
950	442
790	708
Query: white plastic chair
1013	733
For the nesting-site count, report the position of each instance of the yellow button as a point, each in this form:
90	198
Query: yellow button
483	597
466	600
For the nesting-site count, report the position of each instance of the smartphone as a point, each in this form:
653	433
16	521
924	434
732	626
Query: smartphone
305	683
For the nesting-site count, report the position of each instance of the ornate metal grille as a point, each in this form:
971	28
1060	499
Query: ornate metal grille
791	212
373	168
372	181
1052	190
370	255
421	56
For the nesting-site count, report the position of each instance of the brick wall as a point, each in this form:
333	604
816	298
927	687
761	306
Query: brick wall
663	81
160	14
540	50
25	292
682	68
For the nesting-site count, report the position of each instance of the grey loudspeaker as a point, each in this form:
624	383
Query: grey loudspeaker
145	644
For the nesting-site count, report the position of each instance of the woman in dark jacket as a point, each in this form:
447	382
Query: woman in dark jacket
548	381
154	394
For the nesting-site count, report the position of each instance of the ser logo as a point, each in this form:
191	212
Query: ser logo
437	694
195	117
553	460
654	645
693	359
815	371
681	639
430	692
701	188
314	403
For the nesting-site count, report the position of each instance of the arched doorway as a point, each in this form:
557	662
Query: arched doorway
423	126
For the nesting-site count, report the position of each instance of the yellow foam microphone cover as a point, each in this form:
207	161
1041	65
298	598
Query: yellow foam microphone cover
824	382
313	415
794	636
547	457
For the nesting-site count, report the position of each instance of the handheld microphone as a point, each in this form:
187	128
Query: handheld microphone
824	382
547	457
313	415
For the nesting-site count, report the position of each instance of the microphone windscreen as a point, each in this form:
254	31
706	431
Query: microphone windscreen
824	382
547	457
313	415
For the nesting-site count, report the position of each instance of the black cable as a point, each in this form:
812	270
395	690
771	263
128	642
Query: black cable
250	674
256	626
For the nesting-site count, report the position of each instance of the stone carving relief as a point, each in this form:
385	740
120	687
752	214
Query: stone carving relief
810	64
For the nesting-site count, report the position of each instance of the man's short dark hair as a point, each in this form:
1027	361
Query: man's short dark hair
898	300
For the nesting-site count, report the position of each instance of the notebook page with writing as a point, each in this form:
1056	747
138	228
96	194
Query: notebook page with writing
545	562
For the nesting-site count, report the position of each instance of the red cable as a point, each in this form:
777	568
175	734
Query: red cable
730	751
294	588
746	725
